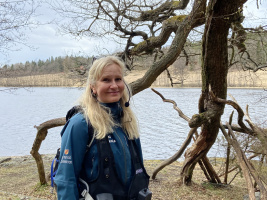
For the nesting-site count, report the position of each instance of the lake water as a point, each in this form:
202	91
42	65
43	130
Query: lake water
162	130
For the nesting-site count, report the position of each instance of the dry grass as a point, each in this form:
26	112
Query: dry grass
19	180
168	185
192	79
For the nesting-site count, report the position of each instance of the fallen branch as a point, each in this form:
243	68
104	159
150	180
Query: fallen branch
5	160
241	160
234	168
228	152
246	166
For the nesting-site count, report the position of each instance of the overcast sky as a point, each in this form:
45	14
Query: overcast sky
48	42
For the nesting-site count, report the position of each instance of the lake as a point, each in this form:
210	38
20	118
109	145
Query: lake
162	130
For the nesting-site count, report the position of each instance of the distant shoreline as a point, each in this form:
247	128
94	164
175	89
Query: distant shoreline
236	79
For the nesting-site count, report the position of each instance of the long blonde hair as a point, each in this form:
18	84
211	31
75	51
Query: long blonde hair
96	114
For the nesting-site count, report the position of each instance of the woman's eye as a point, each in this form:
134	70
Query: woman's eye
118	79
105	80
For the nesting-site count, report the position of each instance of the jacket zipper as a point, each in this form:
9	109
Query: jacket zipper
125	165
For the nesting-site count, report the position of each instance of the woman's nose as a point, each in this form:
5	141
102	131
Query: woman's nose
114	84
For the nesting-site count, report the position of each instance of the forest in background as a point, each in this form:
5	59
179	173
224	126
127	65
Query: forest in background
185	71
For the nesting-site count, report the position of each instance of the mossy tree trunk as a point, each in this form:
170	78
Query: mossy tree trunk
214	78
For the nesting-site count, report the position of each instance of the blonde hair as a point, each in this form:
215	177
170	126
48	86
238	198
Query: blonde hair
96	114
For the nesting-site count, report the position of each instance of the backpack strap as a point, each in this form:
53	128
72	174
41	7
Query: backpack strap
54	166
74	110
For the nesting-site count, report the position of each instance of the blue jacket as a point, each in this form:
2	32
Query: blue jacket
75	162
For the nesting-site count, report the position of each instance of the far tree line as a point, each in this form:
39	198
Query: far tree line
189	59
48	66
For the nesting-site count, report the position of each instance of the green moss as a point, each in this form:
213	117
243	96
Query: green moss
199	118
145	43
209	186
179	18
140	44
40	188
176	3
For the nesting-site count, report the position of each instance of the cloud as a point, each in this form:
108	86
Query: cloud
47	41
255	16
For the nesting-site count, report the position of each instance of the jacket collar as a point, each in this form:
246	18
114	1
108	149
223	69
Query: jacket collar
115	109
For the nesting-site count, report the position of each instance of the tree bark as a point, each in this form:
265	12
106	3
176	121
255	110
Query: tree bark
214	78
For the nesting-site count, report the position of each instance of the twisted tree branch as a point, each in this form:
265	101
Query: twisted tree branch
42	130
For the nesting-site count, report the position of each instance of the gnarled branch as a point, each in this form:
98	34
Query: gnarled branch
238	109
204	162
42	130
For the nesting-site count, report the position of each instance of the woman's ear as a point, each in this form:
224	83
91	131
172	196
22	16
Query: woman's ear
93	89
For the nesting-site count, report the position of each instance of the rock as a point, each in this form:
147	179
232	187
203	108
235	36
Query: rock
257	195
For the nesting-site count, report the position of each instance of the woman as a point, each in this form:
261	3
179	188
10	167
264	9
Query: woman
113	165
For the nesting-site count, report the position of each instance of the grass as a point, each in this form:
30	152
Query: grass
19	180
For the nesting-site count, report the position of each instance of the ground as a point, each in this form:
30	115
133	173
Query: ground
19	180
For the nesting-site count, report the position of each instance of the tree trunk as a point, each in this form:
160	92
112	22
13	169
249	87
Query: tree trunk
40	136
214	78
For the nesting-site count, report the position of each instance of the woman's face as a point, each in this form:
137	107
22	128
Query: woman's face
110	86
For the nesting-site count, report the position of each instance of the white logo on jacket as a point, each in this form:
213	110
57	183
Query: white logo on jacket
66	159
111	140
139	171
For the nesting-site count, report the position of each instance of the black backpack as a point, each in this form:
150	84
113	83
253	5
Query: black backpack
54	165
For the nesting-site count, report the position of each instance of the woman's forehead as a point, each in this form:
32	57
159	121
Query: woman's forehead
112	69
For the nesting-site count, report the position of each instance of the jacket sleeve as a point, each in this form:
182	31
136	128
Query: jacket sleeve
73	148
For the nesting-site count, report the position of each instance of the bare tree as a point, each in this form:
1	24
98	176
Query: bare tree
145	27
180	72
15	18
